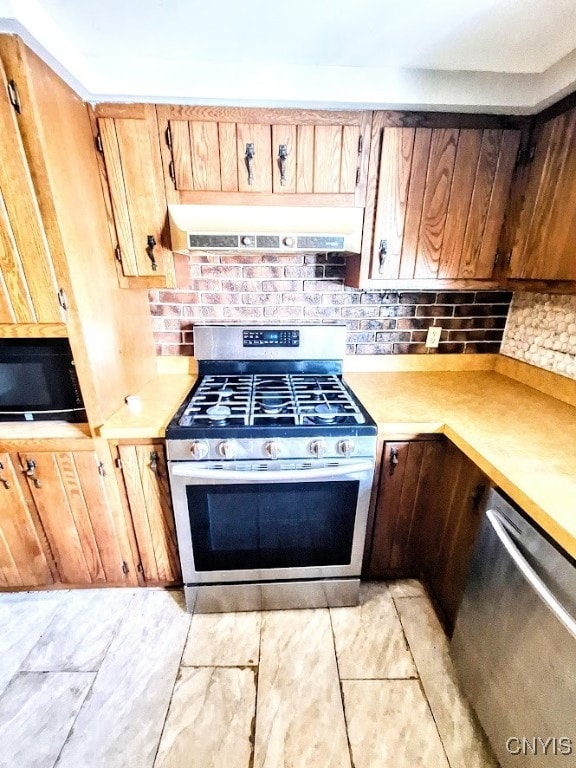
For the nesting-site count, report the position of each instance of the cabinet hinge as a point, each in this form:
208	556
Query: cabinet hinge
63	299
99	145
169	138
525	154
118	462
118	254
357	176
172	172
496	259
125	568
360	144
101	469
13	95
140	568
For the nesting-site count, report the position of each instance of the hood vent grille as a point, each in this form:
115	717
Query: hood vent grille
279	229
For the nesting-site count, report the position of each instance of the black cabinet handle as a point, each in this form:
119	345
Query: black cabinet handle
477	497
382	253
393	462
282	155
150	243
249	158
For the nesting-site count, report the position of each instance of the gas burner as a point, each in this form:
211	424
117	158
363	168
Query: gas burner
326	414
274	405
218	413
225	392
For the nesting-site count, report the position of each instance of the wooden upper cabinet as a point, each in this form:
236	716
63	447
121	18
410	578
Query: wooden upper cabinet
436	202
544	243
211	151
28	287
127	138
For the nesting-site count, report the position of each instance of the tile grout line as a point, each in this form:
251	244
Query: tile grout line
180	667
96	673
421	684
256	671
408	648
350	755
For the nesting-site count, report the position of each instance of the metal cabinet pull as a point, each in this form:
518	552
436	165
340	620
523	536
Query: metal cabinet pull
31	473
393	460
249	157
150	243
282	155
154	458
477	497
382	253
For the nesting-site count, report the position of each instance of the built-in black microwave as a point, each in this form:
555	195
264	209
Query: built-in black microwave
38	381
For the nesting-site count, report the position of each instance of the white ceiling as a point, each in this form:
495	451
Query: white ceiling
474	55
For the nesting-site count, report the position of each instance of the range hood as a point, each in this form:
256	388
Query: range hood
279	229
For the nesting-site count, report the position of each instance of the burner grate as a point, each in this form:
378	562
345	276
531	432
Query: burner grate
271	399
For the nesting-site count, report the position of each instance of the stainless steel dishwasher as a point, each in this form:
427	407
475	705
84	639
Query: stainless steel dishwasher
514	643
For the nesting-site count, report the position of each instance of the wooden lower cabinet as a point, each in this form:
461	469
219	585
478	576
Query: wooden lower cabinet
450	530
145	477
428	513
25	559
61	518
407	474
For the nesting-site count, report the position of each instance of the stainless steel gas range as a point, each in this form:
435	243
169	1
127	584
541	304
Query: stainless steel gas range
271	461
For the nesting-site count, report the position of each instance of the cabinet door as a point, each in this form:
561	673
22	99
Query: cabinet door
128	138
24	555
146	479
28	289
278	152
441	195
450	528
408	476
78	511
544	242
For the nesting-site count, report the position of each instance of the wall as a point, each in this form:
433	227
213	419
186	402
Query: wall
310	288
541	330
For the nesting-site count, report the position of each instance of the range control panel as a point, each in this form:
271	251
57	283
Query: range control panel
266	338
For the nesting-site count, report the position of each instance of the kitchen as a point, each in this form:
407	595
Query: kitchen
95	508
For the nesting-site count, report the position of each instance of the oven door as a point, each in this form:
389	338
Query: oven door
270	521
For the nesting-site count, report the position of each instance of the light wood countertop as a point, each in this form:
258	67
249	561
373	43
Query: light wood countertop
522	438
160	400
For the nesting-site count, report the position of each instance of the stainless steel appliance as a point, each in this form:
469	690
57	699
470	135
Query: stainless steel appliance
38	381
271	460
514	644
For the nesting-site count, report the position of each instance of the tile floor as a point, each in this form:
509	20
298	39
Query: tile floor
127	679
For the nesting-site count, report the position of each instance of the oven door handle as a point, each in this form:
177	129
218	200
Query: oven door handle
268	475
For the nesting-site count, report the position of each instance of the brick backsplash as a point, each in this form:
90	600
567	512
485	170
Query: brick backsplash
541	330
310	288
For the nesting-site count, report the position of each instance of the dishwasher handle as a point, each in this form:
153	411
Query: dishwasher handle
530	574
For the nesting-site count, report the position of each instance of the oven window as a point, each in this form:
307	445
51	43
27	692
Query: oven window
272	525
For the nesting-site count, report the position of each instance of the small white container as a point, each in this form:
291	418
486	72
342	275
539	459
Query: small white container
134	404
